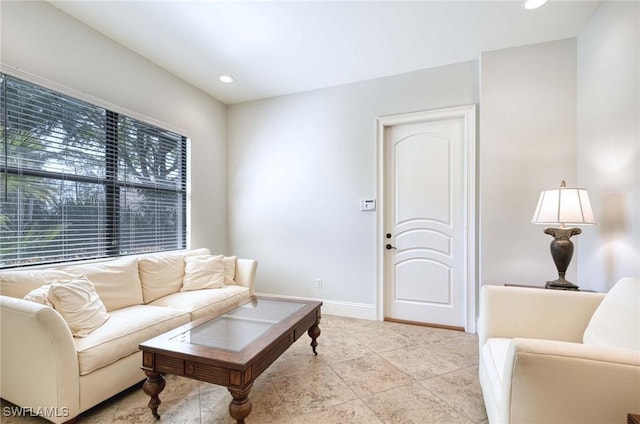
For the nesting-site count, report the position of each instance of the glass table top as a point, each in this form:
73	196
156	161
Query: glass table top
236	329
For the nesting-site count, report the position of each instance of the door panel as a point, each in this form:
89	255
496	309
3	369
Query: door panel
427	239
432	285
424	212
425	158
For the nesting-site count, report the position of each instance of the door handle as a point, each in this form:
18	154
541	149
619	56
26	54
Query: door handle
389	247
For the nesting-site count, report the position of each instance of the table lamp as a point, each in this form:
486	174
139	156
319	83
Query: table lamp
562	207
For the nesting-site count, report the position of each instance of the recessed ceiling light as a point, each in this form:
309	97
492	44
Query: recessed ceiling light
227	79
533	4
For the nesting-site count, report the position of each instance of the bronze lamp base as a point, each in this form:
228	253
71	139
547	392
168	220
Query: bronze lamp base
561	284
561	252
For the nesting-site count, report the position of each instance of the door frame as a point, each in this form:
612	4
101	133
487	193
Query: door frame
468	114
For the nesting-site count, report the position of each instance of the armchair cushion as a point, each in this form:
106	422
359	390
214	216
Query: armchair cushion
616	322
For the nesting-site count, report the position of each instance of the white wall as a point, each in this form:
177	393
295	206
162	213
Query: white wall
41	40
298	167
527	144
609	143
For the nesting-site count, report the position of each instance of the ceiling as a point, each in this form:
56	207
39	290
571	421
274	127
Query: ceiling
275	48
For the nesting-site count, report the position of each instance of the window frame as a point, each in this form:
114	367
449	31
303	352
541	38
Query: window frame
111	183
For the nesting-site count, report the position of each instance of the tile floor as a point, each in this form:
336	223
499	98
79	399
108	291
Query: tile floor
366	372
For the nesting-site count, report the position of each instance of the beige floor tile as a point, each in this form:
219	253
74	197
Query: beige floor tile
426	361
464	345
352	324
370	374
131	398
340	345
423	334
267	406
297	358
460	390
412	405
102	413
179	387
311	391
175	411
352	412
384	339
214	405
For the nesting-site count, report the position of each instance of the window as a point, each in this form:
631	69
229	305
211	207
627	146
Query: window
78	181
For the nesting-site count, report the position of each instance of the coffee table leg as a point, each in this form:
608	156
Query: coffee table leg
240	406
153	386
314	333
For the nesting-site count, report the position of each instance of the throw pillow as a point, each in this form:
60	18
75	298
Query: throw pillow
229	263
202	272
40	295
616	321
79	304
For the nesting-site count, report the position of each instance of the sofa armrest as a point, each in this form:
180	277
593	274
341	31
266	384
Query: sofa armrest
511	312
561	382
246	273
38	359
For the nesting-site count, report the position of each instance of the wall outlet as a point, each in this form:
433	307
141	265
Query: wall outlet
318	283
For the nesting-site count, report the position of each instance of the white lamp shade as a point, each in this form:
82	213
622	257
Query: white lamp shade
564	206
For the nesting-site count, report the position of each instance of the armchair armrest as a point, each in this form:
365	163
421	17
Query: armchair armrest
510	312
561	382
38	359
246	273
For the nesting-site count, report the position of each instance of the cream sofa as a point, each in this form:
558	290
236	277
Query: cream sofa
549	356
49	372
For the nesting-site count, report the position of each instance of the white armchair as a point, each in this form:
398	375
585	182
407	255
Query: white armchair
550	356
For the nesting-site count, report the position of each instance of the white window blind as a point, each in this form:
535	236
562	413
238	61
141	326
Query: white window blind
78	181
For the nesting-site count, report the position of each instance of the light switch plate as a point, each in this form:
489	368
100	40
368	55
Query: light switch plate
368	204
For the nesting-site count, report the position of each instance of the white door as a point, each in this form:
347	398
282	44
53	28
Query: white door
425	243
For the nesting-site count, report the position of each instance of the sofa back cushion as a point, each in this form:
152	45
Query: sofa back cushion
116	281
616	321
19	282
161	274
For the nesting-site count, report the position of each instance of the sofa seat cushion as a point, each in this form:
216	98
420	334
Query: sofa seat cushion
493	358
616	322
200	303
123	332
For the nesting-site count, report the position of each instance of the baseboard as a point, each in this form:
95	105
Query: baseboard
336	307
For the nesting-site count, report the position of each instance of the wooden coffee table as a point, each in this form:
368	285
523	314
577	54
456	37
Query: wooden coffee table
229	349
